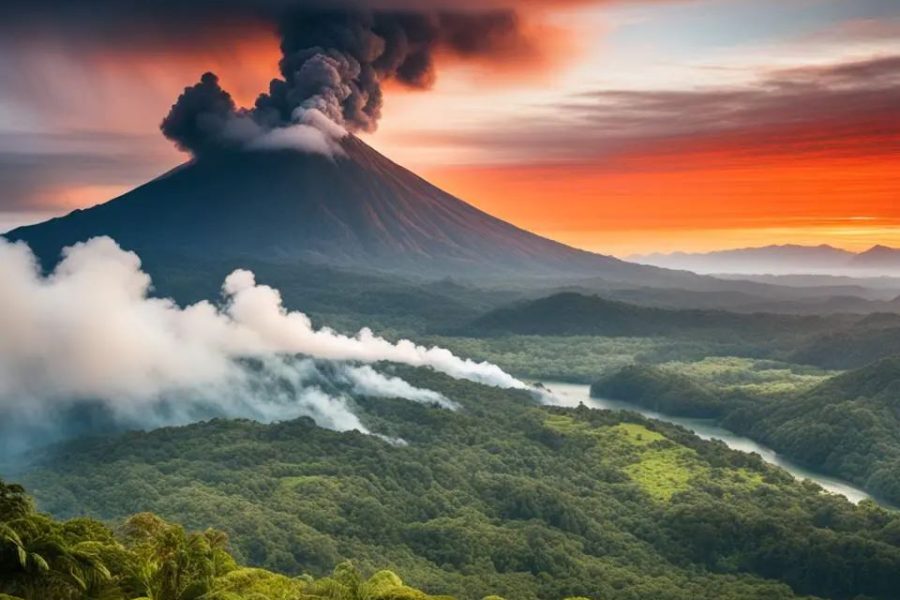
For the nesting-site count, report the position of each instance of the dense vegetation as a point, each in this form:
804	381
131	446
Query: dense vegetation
660	390
571	313
577	359
846	425
502	496
834	341
872	338
150	559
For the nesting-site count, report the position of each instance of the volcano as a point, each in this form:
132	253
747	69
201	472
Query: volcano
357	210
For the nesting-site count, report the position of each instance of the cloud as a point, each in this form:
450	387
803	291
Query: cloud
837	110
78	68
366	381
113	22
89	334
336	54
40	171
335	61
304	138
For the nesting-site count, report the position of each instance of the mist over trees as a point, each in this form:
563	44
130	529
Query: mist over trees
502	496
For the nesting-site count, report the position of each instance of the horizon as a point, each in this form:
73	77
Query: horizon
25	219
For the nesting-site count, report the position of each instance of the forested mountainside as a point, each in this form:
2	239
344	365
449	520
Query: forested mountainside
502	496
846	425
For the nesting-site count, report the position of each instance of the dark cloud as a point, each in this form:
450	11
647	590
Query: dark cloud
200	115
336	53
839	110
335	62
158	23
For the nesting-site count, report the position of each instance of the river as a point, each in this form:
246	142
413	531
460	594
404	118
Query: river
570	394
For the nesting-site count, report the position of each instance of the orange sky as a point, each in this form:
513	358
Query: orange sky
850	203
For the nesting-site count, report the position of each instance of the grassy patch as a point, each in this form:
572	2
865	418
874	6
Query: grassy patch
662	468
664	472
637	434
659	466
763	378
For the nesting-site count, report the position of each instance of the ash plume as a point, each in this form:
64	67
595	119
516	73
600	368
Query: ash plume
90	334
334	64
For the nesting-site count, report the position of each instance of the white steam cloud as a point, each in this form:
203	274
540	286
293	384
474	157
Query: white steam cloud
310	131
90	332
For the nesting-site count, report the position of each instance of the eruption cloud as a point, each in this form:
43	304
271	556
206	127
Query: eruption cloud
334	62
89	334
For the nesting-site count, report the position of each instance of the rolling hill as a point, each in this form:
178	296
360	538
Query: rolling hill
570	313
848	426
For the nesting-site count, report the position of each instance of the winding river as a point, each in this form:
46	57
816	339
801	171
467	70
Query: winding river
570	394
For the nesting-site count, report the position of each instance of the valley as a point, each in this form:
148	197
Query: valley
503	496
571	394
507	495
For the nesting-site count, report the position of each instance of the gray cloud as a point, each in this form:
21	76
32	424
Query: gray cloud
335	62
35	167
844	109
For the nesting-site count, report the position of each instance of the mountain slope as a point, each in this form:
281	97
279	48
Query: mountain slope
848	426
359	210
877	258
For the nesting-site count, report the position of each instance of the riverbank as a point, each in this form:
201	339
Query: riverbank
570	394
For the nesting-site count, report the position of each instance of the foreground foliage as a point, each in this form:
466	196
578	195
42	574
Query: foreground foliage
503	497
150	559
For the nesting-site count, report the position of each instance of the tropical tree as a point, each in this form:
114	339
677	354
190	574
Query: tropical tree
346	583
170	564
40	563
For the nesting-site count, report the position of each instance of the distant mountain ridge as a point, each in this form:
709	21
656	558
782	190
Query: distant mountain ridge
312	225
877	257
570	313
782	260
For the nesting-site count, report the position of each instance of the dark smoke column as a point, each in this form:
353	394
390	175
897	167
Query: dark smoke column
199	116
334	61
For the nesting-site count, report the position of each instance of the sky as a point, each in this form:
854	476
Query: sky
617	126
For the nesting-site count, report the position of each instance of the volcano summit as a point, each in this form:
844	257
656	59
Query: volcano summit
355	210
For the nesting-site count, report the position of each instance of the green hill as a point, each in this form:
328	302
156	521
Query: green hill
851	347
848	426
659	390
570	313
503	496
